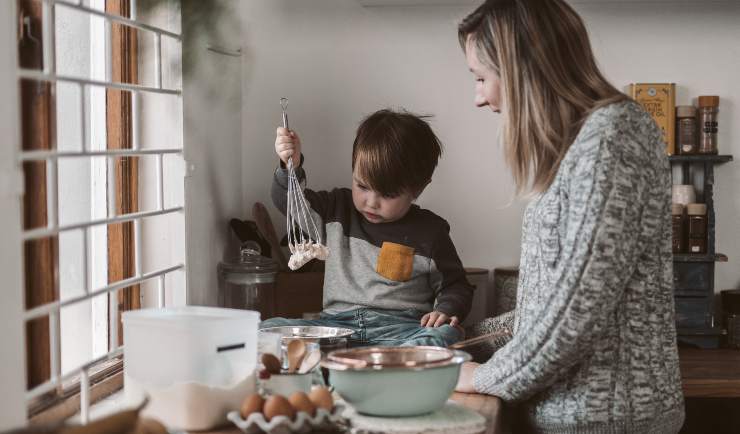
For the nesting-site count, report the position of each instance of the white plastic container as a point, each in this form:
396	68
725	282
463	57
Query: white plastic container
195	363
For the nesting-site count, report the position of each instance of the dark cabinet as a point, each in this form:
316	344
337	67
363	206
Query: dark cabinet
693	274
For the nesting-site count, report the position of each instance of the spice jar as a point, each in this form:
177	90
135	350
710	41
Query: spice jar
679	228
708	109
686	129
683	194
697	216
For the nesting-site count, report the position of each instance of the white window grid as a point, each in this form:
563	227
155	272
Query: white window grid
52	310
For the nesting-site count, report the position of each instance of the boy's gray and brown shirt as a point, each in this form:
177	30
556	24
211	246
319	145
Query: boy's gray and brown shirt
408	264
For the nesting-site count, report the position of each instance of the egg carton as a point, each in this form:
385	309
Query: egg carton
303	422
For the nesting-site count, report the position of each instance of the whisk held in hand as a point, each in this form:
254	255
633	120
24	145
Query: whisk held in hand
304	236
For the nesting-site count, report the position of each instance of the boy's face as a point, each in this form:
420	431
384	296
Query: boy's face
375	207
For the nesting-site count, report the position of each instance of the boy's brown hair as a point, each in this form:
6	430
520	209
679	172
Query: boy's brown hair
395	152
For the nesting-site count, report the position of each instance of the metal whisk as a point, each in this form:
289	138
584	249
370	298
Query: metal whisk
304	236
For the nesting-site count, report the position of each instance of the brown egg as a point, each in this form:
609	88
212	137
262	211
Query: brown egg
321	397
252	404
300	402
278	405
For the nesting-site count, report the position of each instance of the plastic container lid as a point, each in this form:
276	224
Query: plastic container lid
685	111
708	101
696	209
676	209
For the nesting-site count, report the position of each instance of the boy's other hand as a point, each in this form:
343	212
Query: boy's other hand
288	144
436	319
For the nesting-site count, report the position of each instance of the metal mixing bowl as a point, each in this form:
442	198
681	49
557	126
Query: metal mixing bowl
328	338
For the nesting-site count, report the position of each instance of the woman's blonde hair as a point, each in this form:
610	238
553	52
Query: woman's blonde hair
549	78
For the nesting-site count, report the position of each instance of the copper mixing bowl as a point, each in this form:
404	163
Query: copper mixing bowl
391	357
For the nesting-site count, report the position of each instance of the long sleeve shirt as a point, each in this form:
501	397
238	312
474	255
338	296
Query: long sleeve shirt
406	264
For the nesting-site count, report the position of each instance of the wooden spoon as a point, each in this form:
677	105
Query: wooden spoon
310	361
296	351
272	363
264	224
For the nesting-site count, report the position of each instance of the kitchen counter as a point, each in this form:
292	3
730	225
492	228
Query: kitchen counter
488	406
710	373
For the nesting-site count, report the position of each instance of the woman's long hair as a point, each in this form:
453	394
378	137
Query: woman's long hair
550	81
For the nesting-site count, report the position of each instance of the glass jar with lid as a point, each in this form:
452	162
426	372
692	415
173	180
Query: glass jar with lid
247	281
708	110
686	142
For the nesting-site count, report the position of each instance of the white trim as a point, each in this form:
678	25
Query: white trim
158	61
84	396
12	357
34	74
49	308
35	234
53	155
117	18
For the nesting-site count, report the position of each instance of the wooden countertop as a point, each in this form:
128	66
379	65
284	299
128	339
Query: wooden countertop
710	373
704	373
488	406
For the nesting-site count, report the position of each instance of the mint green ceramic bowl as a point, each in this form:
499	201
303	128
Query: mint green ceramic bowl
403	381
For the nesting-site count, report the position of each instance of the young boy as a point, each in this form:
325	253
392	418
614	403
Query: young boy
393	275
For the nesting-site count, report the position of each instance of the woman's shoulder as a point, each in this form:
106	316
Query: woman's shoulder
622	127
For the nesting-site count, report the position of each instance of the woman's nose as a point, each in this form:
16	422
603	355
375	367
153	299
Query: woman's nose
480	101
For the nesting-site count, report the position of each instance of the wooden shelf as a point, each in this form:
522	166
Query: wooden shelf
688	257
710	373
716	159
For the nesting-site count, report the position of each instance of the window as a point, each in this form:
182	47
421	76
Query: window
101	134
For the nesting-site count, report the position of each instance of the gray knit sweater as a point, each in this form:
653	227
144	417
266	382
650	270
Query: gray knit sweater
594	343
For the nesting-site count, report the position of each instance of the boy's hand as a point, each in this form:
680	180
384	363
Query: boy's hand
288	144
436	319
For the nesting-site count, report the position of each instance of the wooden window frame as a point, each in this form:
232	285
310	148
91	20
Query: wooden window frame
41	256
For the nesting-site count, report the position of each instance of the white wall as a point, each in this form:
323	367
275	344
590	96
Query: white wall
212	106
12	358
337	61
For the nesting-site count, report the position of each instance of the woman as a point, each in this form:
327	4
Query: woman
594	345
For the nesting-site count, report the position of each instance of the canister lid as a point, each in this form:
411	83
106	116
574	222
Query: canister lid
685	111
676	209
249	261
708	101
696	209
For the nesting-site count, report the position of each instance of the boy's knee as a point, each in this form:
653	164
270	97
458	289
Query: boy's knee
441	336
450	334
276	322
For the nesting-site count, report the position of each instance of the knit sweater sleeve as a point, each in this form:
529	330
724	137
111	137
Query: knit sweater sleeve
606	192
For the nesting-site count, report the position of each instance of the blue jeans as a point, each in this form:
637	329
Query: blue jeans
376	327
